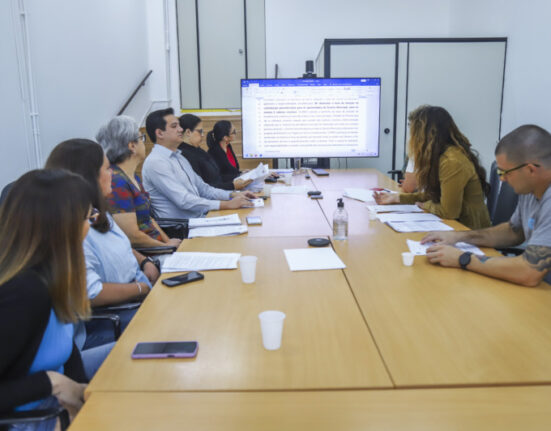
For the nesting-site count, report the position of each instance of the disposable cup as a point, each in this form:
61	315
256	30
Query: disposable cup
271	325
267	190
247	265
288	179
372	215
407	258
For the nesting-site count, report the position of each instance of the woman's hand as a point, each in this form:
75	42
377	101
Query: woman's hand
174	242
383	198
69	393
151	272
420	205
239	184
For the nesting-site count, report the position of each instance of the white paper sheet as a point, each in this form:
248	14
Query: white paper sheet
289	190
363	195
198	261
419	249
261	171
217	231
394	208
386	217
418	226
313	259
230	219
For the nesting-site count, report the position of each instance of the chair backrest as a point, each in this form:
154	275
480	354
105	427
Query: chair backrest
502	200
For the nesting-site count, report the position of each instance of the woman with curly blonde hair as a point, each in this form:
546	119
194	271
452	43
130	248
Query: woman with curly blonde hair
450	180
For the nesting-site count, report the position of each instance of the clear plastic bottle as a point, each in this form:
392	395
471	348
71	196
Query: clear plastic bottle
340	222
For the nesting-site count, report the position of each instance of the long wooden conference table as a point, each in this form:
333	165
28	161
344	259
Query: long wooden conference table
374	346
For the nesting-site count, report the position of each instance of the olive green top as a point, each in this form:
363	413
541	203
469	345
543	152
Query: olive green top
461	194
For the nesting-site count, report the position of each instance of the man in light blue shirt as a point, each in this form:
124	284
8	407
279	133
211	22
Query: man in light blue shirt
175	190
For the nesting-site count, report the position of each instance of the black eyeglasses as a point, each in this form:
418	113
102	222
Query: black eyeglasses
233	132
200	131
93	217
141	138
502	172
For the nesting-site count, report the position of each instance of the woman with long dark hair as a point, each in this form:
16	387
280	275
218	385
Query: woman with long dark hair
43	222
219	143
112	268
450	180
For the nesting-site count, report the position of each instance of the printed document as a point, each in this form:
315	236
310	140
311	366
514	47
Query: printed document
394	208
418	226
312	259
363	195
198	261
407	217
226	220
260	172
217	231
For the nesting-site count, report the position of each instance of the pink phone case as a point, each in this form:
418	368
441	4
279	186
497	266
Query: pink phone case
164	355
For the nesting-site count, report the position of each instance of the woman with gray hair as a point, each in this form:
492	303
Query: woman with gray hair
129	202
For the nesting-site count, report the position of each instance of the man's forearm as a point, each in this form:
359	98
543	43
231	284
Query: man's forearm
513	269
500	236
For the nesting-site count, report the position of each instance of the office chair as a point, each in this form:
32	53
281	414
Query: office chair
38	415
502	202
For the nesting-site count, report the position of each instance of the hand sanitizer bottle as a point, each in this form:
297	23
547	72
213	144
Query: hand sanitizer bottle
340	222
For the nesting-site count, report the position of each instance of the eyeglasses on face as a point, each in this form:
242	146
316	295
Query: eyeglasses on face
502	172
141	138
93	217
233	132
200	131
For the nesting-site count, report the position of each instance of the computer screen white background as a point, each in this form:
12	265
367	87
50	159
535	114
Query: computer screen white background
333	117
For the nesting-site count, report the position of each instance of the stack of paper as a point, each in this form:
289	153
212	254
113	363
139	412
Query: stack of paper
217	231
289	190
311	259
394	208
418	226
198	261
386	217
419	249
257	203
227	220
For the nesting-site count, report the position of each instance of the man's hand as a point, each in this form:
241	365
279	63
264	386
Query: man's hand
444	255
449	238
240	201
383	198
250	195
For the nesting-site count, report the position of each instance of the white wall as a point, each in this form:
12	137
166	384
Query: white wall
86	59
295	29
527	78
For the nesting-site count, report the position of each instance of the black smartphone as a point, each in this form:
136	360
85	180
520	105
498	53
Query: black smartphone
184	278
314	193
171	349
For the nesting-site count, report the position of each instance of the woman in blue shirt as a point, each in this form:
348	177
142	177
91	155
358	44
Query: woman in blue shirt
43	222
113	270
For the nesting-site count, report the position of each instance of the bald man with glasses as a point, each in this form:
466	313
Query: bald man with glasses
523	158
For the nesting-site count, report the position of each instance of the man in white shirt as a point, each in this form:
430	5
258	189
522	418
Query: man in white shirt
175	190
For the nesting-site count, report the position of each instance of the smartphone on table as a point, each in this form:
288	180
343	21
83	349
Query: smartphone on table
166	349
252	220
188	277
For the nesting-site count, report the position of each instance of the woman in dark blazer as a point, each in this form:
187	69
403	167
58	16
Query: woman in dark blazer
201	161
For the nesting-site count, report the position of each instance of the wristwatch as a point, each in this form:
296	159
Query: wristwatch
155	262
465	259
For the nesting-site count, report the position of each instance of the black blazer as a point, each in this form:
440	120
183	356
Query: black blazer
228	171
204	165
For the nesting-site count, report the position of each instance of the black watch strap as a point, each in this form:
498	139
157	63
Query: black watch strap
147	259
465	259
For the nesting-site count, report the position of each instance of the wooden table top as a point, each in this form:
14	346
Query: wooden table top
445	326
326	344
488	409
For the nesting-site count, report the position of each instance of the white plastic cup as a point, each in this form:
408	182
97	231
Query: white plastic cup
271	325
407	258
288	179
267	190
372	215
247	265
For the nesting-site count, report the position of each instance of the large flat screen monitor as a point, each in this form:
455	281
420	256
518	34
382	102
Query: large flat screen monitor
319	117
